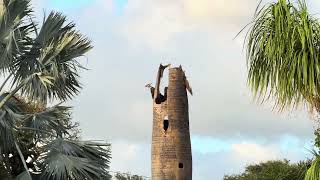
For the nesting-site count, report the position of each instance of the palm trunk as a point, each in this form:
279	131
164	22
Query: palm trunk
23	161
171	147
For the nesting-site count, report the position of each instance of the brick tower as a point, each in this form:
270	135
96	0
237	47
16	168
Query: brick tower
171	147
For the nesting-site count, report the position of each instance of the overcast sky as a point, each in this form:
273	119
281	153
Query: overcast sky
132	37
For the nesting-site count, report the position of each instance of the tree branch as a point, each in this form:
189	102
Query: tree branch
22	159
12	93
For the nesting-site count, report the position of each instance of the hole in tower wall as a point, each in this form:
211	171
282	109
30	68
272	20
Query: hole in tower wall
181	165
165	123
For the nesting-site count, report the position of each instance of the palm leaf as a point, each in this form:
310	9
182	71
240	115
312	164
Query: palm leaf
282	54
15	29
313	172
23	176
49	120
54	55
10	114
67	159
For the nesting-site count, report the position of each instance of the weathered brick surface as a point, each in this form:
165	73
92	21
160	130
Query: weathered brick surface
172	147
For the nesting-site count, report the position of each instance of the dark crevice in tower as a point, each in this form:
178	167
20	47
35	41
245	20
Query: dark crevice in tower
158	97
181	165
165	124
162	98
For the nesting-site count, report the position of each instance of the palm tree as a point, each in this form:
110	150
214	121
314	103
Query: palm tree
283	51
40	65
283	55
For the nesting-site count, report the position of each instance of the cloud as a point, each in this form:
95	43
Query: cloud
232	156
213	11
114	105
155	22
244	152
254	153
131	157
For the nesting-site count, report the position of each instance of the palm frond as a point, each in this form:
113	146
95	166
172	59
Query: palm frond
313	172
43	64
282	54
54	54
10	114
49	120
67	159
15	30
23	176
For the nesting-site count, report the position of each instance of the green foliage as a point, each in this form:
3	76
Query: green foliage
283	54
317	138
273	170
49	68
48	138
313	172
41	62
283	57
126	176
15	29
79	159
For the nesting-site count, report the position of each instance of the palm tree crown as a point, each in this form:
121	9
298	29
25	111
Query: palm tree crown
283	54
283	51
40	64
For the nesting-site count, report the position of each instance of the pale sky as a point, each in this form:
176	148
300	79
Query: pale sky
132	37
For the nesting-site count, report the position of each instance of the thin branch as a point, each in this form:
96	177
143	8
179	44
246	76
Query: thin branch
12	93
23	160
